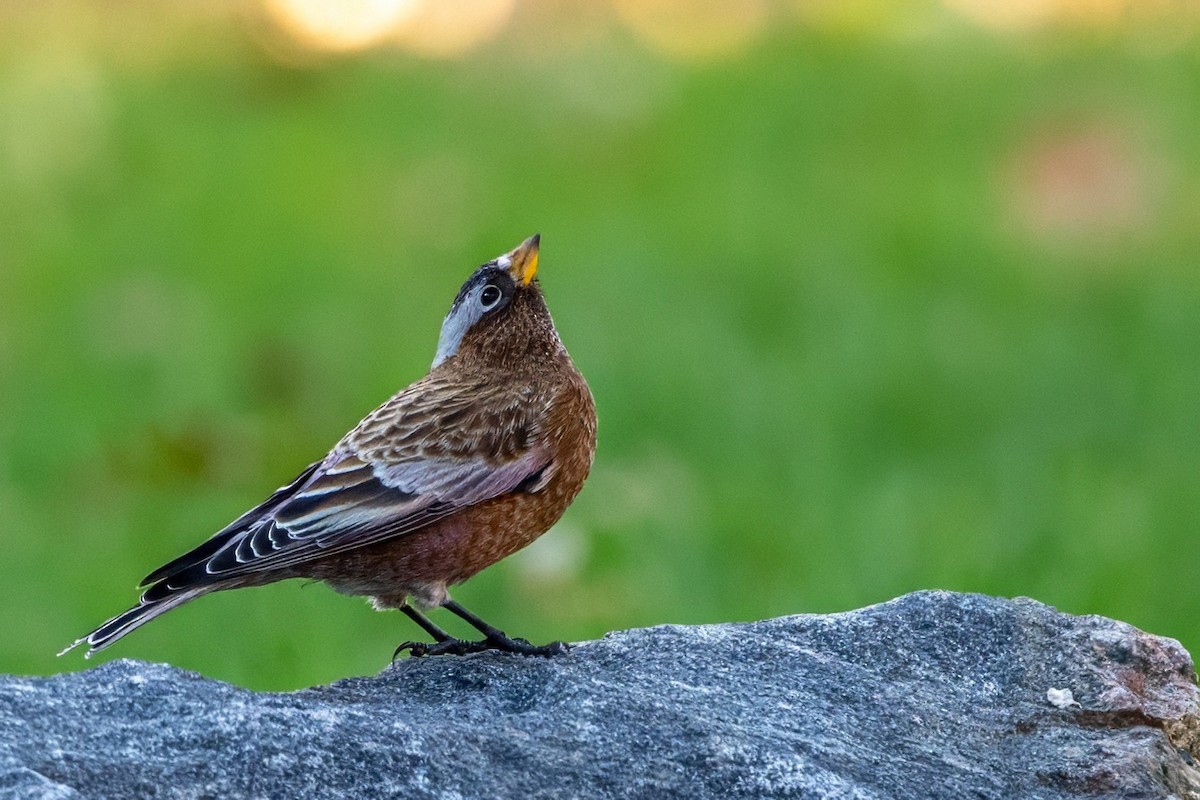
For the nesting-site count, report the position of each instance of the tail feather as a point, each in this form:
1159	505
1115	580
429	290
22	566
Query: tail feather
132	619
186	577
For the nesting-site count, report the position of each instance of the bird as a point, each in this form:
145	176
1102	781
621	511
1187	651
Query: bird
455	472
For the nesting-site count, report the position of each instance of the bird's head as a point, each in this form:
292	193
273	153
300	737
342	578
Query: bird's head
499	312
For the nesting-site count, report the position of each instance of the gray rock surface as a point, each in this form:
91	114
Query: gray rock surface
931	695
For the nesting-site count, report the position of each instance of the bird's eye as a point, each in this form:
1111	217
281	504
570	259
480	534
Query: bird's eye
489	296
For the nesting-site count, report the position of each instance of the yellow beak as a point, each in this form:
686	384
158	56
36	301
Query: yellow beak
523	262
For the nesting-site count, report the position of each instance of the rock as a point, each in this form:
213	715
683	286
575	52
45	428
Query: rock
931	695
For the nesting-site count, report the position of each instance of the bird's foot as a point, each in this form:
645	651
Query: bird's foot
459	647
446	647
523	647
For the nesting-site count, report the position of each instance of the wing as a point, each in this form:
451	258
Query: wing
427	453
238	526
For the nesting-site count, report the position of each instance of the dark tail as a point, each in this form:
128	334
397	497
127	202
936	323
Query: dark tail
135	617
170	586
185	578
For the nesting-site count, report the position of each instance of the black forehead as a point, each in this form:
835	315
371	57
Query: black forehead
490	272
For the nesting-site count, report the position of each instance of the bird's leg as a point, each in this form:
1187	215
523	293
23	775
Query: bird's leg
426	624
418	649
495	639
445	644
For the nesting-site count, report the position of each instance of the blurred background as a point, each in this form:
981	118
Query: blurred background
873	297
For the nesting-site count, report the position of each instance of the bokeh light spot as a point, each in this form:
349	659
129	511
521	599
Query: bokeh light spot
340	25
449	30
697	30
1089	183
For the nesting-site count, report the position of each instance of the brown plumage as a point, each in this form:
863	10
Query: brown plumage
462	468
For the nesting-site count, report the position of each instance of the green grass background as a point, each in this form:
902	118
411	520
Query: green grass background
840	349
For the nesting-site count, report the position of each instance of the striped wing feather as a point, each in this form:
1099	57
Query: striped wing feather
421	456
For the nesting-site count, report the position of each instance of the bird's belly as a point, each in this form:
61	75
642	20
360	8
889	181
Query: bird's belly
423	563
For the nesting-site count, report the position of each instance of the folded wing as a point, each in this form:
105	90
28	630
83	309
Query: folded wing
343	504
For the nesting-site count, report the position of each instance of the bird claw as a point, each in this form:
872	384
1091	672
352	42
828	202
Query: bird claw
415	650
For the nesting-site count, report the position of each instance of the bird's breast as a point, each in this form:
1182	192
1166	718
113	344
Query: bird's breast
449	551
